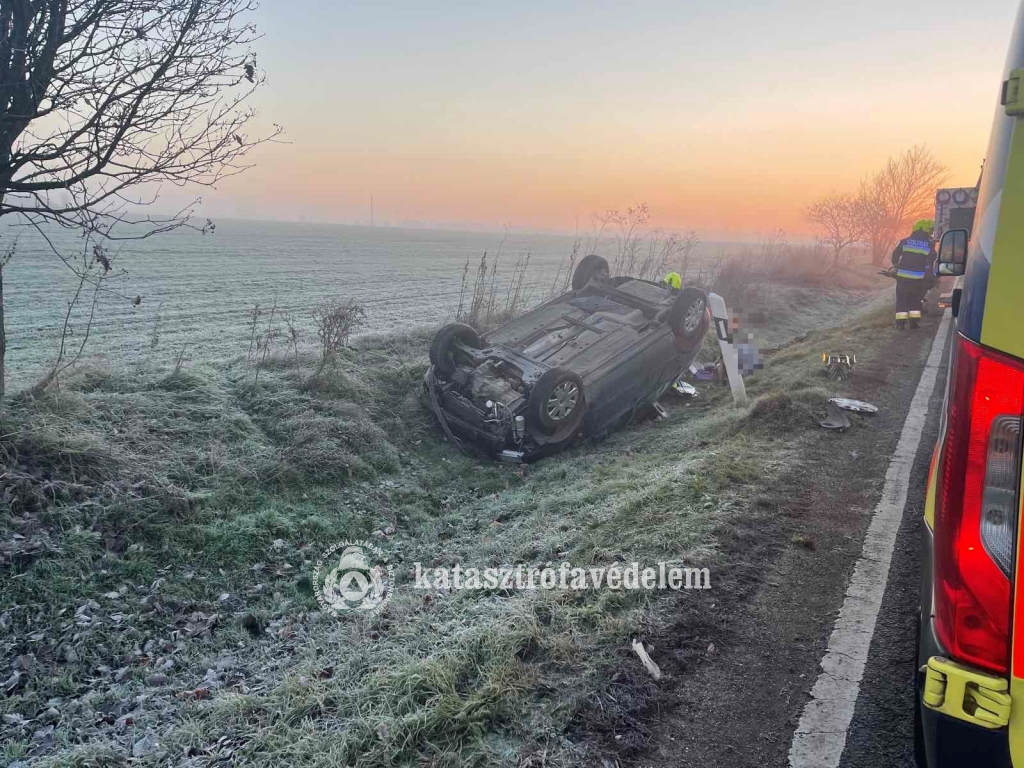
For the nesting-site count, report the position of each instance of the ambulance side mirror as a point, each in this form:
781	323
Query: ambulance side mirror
953	253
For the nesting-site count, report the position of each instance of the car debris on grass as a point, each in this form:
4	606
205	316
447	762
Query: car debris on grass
857	406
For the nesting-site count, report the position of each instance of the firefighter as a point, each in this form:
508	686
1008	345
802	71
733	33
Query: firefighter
674	281
914	262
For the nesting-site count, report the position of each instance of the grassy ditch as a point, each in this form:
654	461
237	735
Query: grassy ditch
158	533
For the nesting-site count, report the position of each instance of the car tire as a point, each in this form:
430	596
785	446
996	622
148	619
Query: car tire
557	402
442	349
587	269
688	317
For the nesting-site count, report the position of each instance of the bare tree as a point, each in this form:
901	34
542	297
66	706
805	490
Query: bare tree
839	221
104	101
897	195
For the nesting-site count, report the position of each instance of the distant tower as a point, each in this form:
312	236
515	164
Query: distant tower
371	211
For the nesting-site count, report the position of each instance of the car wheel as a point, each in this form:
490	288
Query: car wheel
588	268
557	402
442	348
688	317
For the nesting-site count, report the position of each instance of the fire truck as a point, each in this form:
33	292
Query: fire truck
954	209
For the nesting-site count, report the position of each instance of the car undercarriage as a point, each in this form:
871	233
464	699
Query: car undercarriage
577	366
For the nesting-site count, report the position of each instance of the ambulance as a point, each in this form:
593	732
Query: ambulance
970	651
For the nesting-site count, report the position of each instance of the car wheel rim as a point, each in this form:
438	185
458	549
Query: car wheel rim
563	401
693	316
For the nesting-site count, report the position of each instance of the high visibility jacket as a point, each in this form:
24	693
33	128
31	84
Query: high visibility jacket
914	256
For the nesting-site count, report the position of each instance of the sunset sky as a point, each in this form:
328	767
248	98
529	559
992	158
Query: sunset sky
726	117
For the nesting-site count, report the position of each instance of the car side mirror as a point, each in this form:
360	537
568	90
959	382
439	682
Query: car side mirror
953	253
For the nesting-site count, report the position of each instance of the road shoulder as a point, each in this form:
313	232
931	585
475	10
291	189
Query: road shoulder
742	706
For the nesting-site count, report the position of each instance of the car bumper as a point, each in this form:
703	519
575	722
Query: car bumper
948	741
460	427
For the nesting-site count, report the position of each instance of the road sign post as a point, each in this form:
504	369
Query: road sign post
730	358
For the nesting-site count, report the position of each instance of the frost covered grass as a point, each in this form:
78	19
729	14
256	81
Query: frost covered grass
158	532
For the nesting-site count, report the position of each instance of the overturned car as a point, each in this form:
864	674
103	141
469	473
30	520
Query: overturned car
578	365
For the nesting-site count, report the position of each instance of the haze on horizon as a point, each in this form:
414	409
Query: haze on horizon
728	119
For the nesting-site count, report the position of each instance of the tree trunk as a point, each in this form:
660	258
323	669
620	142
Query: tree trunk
877	254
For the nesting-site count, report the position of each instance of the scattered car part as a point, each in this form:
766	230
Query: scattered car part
836	418
684	388
707	372
857	406
652	669
838	366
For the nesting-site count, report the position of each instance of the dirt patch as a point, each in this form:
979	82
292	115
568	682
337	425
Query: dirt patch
789	559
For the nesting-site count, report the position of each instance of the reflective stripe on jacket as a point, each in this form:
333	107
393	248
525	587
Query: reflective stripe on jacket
911	274
913	256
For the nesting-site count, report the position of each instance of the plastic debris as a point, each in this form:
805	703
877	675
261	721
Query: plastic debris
683	388
857	406
652	669
706	372
836	418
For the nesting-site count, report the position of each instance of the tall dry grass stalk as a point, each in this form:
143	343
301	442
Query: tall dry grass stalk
488	302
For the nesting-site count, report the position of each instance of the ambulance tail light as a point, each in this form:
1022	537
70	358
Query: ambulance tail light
976	506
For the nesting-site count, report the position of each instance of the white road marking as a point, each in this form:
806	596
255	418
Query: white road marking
821	734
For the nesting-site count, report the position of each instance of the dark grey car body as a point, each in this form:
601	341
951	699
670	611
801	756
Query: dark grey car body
618	343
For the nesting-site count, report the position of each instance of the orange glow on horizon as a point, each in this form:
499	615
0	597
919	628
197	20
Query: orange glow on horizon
445	130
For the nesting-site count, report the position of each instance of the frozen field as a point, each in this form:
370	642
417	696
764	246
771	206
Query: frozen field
204	287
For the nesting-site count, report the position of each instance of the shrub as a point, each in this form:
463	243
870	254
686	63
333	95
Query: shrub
335	320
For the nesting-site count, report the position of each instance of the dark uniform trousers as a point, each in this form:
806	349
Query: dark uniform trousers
913	259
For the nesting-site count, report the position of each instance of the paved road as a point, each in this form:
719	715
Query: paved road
881	733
